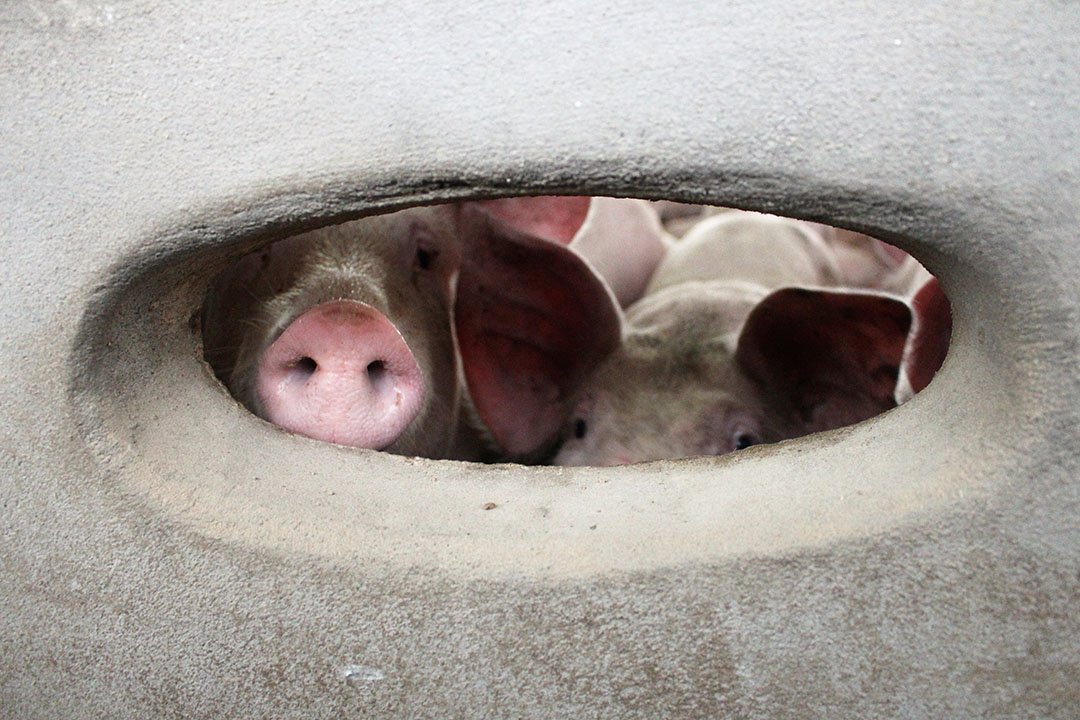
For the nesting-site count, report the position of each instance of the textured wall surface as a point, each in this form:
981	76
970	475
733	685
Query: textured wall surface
165	554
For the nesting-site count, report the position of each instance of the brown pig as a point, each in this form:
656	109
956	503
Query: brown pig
440	331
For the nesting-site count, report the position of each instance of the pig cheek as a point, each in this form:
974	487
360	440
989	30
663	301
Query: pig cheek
420	307
578	453
574	452
433	430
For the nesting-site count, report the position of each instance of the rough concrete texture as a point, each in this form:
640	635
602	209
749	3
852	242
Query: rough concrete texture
165	554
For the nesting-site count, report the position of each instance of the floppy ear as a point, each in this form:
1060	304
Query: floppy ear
825	359
929	341
532	320
621	238
550	217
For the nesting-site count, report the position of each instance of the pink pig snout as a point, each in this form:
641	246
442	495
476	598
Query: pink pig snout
341	372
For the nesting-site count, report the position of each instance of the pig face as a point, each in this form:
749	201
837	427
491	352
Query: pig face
709	368
442	331
672	388
342	334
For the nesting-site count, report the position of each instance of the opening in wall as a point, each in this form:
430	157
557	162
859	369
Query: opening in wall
573	330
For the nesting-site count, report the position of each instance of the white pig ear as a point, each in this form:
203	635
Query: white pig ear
532	320
550	217
825	359
930	335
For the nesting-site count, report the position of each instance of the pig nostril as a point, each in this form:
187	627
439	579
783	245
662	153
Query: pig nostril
307	365
376	372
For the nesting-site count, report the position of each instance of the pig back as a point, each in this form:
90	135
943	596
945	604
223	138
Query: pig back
750	247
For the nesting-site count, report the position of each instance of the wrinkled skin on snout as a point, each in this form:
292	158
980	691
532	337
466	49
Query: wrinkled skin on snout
707	368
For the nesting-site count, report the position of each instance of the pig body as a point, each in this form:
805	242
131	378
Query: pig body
623	239
724	244
749	247
867	262
624	242
404	332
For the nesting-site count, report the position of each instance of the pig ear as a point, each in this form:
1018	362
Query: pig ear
557	219
624	242
825	359
532	320
930	337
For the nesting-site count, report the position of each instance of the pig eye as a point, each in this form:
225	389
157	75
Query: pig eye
580	428
745	440
424	258
427	251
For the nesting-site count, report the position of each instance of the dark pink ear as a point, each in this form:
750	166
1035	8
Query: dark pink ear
549	217
825	359
930	338
532	320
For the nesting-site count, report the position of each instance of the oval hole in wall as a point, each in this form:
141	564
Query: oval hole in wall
572	330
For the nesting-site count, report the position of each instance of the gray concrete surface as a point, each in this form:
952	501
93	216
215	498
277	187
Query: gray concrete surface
164	554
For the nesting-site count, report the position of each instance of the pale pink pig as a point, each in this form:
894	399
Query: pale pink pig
706	368
744	337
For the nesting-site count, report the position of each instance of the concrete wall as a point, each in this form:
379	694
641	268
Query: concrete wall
165	554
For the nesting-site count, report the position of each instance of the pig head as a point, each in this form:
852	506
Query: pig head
706	368
441	331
